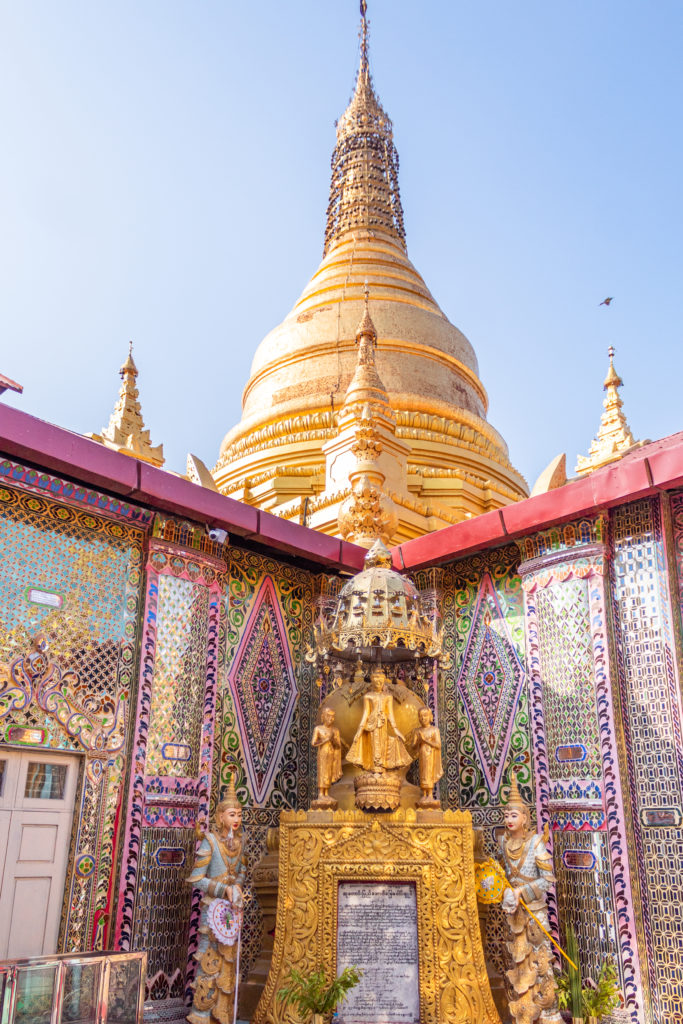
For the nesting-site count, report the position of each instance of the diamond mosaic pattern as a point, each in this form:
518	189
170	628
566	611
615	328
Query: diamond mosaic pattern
490	681
263	687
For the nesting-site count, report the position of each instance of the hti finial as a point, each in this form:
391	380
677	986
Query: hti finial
366	328
612	379
363	35
129	366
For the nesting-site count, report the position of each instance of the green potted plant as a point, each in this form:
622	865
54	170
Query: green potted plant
589	1001
313	997
569	995
600	997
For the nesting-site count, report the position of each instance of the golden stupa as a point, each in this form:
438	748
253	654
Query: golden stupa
436	459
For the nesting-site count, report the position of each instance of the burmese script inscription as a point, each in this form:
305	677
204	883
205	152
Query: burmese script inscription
377	931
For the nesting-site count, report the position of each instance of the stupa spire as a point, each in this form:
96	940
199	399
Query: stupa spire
367	447
364	189
366	386
614	437
126	431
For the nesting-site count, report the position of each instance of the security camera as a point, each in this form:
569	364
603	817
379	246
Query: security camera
220	536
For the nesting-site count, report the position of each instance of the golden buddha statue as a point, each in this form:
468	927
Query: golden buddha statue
378	748
327	741
425	742
378	745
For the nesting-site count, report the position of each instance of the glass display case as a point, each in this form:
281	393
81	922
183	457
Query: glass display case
73	988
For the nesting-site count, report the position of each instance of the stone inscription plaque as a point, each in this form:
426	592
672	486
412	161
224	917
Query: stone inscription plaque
377	931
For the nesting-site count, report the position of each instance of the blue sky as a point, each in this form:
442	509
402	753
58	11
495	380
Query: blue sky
165	175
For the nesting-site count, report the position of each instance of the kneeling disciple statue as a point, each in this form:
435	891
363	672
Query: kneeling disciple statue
530	980
219	872
426	743
327	740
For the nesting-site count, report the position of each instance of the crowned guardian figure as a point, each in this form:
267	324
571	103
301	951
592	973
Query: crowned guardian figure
219	873
530	979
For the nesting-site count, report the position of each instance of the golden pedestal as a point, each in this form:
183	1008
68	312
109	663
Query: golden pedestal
432	850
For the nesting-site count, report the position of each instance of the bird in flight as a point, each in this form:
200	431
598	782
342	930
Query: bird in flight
606	302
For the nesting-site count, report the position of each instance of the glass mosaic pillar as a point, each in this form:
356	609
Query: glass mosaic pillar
646	575
578	782
172	754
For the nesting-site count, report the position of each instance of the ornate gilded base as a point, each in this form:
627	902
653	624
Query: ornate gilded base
324	803
318	857
378	791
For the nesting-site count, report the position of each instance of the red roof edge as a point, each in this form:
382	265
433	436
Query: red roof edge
61	451
657	466
7	384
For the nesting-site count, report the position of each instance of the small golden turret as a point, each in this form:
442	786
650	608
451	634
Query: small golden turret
126	431
614	437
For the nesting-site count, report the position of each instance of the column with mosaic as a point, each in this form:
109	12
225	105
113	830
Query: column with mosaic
576	754
171	766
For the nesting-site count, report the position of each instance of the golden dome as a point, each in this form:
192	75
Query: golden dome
457	463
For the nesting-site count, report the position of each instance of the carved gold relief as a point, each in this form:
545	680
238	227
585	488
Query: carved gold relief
320	850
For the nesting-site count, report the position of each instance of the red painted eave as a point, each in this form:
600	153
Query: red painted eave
654	467
7	384
60	451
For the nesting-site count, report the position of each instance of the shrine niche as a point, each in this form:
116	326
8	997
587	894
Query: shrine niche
432	851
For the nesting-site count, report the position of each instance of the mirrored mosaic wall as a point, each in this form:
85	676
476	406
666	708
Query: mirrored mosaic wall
167	662
482	700
268	703
69	615
647	634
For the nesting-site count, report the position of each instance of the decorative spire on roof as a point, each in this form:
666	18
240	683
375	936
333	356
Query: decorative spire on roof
366	386
364	189
368	423
614	437
126	432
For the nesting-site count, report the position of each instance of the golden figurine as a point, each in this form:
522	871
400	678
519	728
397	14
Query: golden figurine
219	873
379	749
378	745
530	980
327	741
425	742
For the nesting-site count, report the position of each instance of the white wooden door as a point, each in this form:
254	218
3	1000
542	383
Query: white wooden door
37	793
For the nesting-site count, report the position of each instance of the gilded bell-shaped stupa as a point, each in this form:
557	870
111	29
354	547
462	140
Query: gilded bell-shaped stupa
448	462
